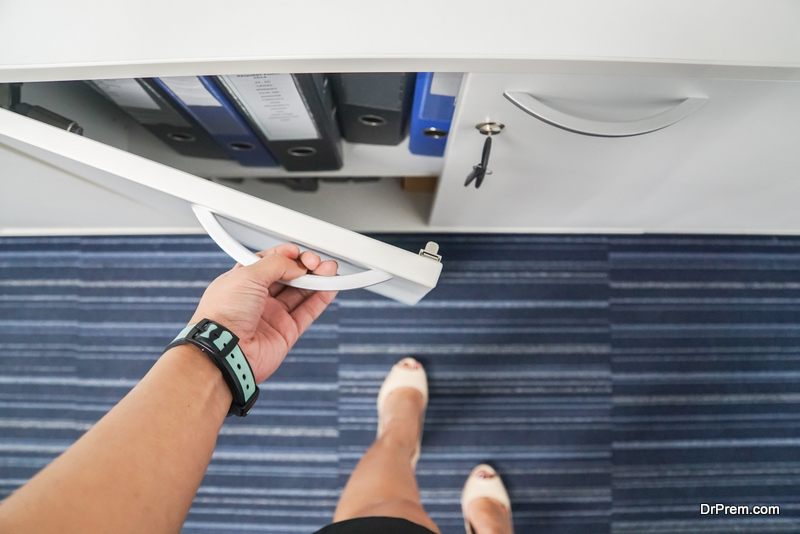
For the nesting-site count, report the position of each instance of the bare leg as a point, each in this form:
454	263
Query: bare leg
488	516
383	482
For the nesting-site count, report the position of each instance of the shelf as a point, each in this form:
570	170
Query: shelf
360	160
379	206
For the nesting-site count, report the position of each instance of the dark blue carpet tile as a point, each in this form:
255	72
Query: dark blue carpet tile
88	317
515	341
616	382
279	467
705	364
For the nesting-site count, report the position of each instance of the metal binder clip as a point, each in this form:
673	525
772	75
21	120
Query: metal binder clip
11	99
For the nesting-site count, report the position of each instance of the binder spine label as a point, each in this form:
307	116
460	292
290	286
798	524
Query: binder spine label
191	91
193	94
127	93
274	103
446	83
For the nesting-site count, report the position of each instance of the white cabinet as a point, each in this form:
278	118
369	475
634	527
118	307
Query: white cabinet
729	166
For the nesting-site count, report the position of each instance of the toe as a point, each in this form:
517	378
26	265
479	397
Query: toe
484	474
484	471
410	363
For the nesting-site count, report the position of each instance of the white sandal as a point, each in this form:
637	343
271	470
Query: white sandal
477	487
402	377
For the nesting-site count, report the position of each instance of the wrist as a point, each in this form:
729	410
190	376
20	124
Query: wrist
221	346
203	379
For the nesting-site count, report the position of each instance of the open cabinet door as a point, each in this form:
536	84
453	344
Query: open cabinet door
233	219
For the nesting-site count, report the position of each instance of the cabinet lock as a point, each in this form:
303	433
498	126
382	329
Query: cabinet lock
490	128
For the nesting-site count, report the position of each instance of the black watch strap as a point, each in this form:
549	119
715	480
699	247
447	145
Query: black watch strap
222	346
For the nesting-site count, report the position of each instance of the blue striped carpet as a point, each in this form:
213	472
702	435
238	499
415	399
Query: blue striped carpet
616	382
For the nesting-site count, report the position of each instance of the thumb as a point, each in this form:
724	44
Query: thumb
271	268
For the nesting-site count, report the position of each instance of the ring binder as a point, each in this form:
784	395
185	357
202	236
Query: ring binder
293	114
151	107
200	98
374	107
432	112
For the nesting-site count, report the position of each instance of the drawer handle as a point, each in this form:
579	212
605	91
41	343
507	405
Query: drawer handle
240	253
529	104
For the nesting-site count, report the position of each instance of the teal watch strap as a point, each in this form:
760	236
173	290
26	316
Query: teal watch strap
221	345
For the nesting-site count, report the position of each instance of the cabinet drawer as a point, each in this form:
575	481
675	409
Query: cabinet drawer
605	153
232	218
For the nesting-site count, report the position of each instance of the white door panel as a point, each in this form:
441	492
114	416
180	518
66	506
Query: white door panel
410	275
730	164
35	198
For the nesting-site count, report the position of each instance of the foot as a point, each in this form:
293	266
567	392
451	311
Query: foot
488	516
403	412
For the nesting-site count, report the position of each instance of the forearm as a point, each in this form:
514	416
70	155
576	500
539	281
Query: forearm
139	467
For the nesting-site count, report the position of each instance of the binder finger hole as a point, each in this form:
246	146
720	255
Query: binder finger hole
371	120
182	137
241	146
434	133
302	151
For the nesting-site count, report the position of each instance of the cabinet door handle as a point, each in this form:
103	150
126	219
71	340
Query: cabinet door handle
531	105
240	253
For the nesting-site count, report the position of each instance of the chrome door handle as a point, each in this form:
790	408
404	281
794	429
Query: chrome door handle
532	106
243	255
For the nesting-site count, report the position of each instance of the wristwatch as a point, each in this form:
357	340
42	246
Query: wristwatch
222	346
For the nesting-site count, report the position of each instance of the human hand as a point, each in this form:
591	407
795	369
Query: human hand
266	316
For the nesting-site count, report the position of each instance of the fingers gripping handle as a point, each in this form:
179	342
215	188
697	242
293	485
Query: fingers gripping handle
243	255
